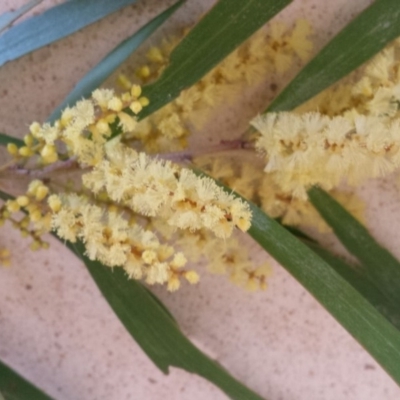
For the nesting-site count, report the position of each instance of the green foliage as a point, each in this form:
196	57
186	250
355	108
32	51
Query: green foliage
5	139
96	76
153	328
378	264
227	25
14	387
361	39
350	308
54	24
8	18
356	277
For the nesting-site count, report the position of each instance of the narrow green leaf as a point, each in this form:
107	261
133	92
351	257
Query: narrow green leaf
94	78
356	277
5	139
8	18
381	267
54	24
217	34
14	387
355	313
356	43
154	330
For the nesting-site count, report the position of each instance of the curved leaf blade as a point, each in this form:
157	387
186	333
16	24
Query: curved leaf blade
94	78
360	40
379	264
155	330
5	139
354	312
8	18
356	277
54	24
15	387
217	34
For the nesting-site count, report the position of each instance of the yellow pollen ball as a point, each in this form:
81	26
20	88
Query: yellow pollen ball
173	283
192	277
28	139
54	203
124	81
13	206
144	101
12	149
155	55
36	216
34	128
22	201
103	127
36	245
143	72
136	107
136	91
25	151
41	192
115	104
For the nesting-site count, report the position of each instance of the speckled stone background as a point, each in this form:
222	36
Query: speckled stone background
56	329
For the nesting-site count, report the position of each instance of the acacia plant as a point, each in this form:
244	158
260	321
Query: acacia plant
111	174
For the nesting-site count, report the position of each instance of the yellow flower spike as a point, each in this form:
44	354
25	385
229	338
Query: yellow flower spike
41	192
25	151
136	90
13	206
143	72
115	104
12	149
22	201
192	277
155	55
136	107
144	101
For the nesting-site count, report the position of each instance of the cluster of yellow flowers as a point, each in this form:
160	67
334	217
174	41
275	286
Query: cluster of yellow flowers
358	141
271	50
125	186
157	188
